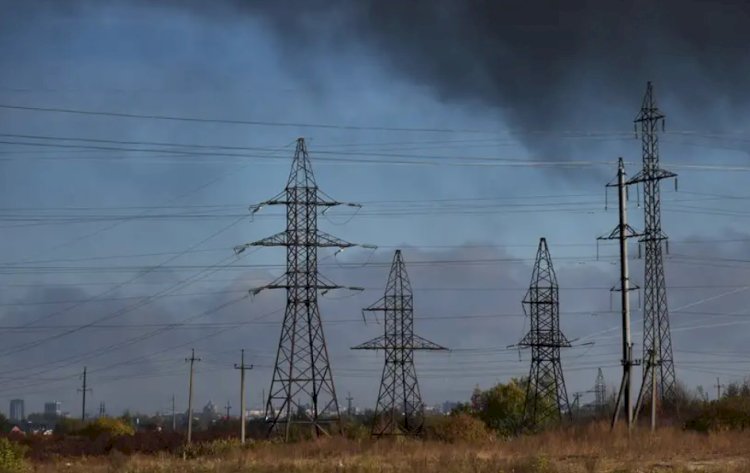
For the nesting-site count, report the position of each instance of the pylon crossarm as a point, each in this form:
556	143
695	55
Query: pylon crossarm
630	232
278	283
279	239
378	306
325	285
378	343
648	175
419	343
326	240
328	201
278	199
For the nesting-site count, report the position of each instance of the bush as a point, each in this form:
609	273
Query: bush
12	457
67	426
106	426
355	430
456	428
728	413
501	407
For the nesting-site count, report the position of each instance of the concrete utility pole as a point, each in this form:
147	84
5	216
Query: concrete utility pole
349	408
192	361
653	364
174	416
242	367
718	387
622	232
83	391
228	407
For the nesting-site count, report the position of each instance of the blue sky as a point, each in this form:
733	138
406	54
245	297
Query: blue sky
478	193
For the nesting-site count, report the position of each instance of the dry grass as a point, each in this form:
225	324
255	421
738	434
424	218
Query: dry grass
586	449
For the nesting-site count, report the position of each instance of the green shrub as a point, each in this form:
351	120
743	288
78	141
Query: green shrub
67	426
107	426
728	413
355	430
460	427
12	457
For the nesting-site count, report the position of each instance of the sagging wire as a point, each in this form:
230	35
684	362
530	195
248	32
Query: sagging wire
374	248
324	213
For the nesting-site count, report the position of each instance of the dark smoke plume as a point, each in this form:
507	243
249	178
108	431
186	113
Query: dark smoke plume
547	65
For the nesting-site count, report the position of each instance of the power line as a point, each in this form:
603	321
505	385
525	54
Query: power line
233	122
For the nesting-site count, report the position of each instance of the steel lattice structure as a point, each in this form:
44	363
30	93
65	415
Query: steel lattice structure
399	410
302	390
546	396
657	338
600	390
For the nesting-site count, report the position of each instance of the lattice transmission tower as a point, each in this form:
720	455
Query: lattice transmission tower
399	409
302	390
546	396
600	390
657	338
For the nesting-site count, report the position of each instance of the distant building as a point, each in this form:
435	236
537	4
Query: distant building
209	415
17	412
53	409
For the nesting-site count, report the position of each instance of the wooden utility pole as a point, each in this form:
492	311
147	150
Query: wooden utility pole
192	361
242	367
83	390
174	416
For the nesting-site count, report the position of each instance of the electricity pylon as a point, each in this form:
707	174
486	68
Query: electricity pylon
600	391
399	410
302	390
657	338
546	397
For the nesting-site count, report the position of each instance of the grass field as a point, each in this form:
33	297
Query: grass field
587	449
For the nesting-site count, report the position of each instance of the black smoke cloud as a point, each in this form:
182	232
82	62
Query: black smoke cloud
545	65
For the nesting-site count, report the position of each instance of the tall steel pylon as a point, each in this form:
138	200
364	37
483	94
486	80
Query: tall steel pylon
546	396
302	390
657	338
399	410
600	390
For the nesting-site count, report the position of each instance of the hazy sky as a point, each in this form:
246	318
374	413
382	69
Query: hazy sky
466	129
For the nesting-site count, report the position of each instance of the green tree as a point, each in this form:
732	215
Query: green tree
501	407
5	424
